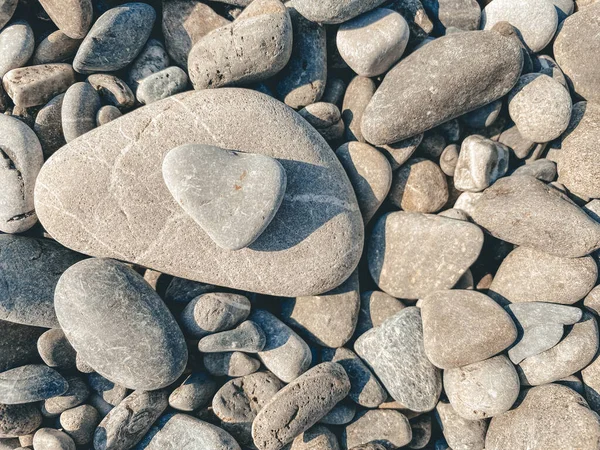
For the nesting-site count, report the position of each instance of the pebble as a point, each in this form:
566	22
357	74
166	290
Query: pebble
317	437
462	327
30	383
449	159
524	211
112	90
358	95
153	58
184	291
18	420
299	405
72	17
82	366
115	39
421	432
574	48
387	427
37	85
542	169
55	350
373	42
480	163
163	84
484	116
110	392
57	47
127	423
592	301
521	147
77	393
7	9
79	108
213	312
461	434
329	319
101	331
17	43
335	11
335	89
101	406
547	66
325	118
341	414
462	14
399	152
232	196
48	126
419	186
540	422
397	111
261	36
106	114
247	337
394	350
51	439
18	346
285	354
230	364
528	275
411	254
369	446
80	423
303	80
432	145
540	107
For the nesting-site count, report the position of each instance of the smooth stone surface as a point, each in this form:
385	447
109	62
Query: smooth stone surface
80	423
163	84
299	405
524	211
375	308
232	195
230	364
30	383
480	163
358	95
329	319
17	44
461	434
112	90
57	47
7	9
261	37
483	389
462	14
52	439
115	39
575	48
389	428
18	420
21	159
419	186
528	275
18	345
325	118
162	237
399	152
399	110
341	414
412	254
248	337
135	327
542	169
106	114
373	42
72	17
55	350
110	392
77	393
546	65
79	108
335	11
213	312
153	58
127	423
48	126
395	352
449	159
195	392
483	116
550	416
37	85
317	437
462	327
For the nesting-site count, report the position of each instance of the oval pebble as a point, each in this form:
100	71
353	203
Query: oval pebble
213	312
246	337
107	114
72	17
17	43
7	9
335	11
230	364
387	427
78	113
55	350
196	391
51	439
163	84
57	47
48	126
30	383
480	163
80	423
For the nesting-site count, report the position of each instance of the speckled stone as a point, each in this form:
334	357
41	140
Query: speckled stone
72	17
543	169
163	84
421	427
36	85
110	392
399	152
592	301
80	423
461	14
335	11
30	383
151	344
213	312
299	405
115	39
106	114
386	427
248	337
398	110
112	90
57	47
79	108
230	364
153	58
77	393
461	434
48	126
317	437
325	118
413	254
17	44
375	308
51	439
395	352
480	163
18	344
7	9
18	420
55	350
358	95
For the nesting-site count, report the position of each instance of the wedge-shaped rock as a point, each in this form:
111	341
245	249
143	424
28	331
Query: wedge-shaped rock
103	194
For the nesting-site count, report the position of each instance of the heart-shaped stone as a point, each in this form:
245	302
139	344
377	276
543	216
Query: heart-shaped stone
232	195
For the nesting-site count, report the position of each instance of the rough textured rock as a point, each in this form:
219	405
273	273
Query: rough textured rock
480	163
7	9
409	259
461	434
213	312
36	85
79	108
30	383
72	17
299	405
247	337
358	95
18	420
395	352
57	47
55	350
76	394
18	345
162	237
445	14
375	308
335	11
17	43
419	186
386	427
151	343
153	58
398	110
524	211
80	423
112	90
163	84
230	364
48	126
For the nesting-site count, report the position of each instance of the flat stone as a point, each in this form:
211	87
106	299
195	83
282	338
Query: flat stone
329	319
159	235
413	254
536	313
18	420
389	428
574	48
399	110
110	392
358	95
335	11
55	350
261	36
317	437
112	90
462	14
461	433
21	159
303	80
541	422
48	126
483	389
37	85
248	337
77	393
399	152
7	9
419	186
524	211
153	58
480	163
213	312
57	47
373	42
511	137
108	333
230	364
80	423
528	275
375	308
462	327
106	114
395	352
115	39
232	195
51	439
30	383
72	17
163	84
299	405
79	108
17	43
18	345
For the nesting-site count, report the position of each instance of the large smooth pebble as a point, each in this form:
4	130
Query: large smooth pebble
335	11
31	383
72	17
17	44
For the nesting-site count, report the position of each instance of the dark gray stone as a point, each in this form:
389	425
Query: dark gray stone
335	11
80	423
18	345
72	17
212	312
112	90
107	114
18	420
17	43
461	14
163	84
334	91
57	47
184	291
153	58
357	97
484	116
30	383
195	392
340	414
76	394
51	439
36	85
48	126
247	337
55	350
230	364
110	392
79	108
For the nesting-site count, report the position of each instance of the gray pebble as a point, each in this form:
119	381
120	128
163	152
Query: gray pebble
335	11
48	126
375	308
163	84
334	91
55	350
317	437
57	47
18	420
110	392
480	163
230	364
421	431
432	145
212	312
76	394
542	169
546	65
340	414
7	9
82	366
325	118
461	14
449	159
247	337
112	90
399	152
369	446
30	383
521	146
78	113
389	428
107	114
419	186
357	97
72	17
592	301
461	434
51	439
100	404
17	44
484	116
195	392
184	291
18	344
153	58
80	423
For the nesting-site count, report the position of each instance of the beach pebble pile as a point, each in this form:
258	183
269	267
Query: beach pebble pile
299	225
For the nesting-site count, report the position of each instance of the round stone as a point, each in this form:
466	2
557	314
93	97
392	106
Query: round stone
358	95
230	364
55	350
57	47
163	84
17	43
459	432
195	392
106	114
80	423
79	108
325	118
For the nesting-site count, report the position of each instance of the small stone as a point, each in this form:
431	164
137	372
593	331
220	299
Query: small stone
80	423
546	65
592	301
462	14
184	291
55	350
51	439
483	116
107	114
163	84
325	118
213	312
100	404
375	308
115	39
432	145
80	106
17	43
358	95
461	434
18	420
82	366
110	392
399	152
413	254
335	11
462	327
126	424
112	90
341	414
542	169
230	364
419	186
195	392
30	383
334	91
521	147
247	337
72	17
48	126
317	437
449	159
395	352
36	85
7	9
369	446
76	394
540	107
480	163
386	427
373	42
57	47
153	58
18	344
524	211
299	405
421	432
